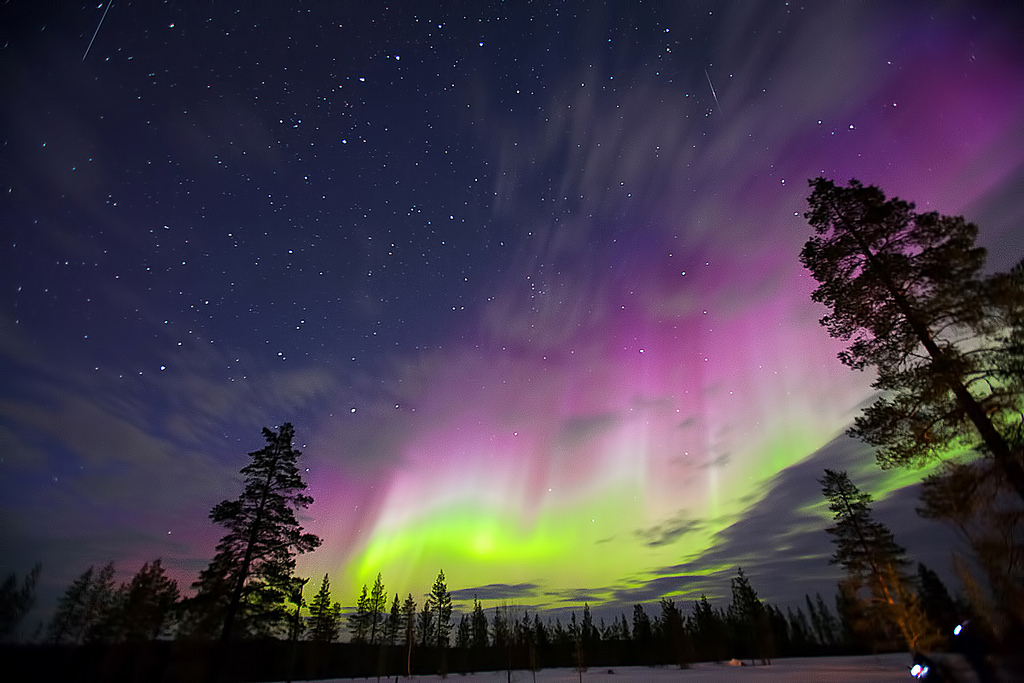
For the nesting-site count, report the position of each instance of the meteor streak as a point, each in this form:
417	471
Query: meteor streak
107	9
713	93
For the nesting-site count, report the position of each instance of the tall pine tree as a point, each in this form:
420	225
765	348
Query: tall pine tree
678	647
877	584
393	625
409	626
440	601
478	624
359	620
375	606
749	620
905	289
324	616
246	585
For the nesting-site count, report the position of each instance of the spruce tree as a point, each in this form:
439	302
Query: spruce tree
249	579
876	584
359	620
323	615
463	633
500	635
588	633
375	606
409	626
540	632
747	615
408	630
479	625
393	626
905	289
709	630
425	625
440	601
673	631
642	632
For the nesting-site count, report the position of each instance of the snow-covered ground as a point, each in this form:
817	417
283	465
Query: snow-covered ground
880	669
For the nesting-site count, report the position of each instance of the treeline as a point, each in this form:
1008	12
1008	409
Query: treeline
408	637
508	636
133	632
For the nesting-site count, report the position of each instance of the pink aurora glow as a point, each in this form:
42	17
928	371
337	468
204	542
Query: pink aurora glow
691	389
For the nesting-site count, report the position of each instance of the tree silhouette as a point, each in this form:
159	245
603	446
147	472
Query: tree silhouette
425	625
801	636
479	626
749	620
441	604
708	630
16	601
147	604
826	627
70	619
673	627
375	606
938	604
249	578
359	620
500	635
393	625
83	611
463	633
588	632
101	606
978	504
876	582
905	289
409	628
325	617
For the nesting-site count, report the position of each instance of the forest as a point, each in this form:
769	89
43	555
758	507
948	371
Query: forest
905	289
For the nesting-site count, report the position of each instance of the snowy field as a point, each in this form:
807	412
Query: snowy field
880	669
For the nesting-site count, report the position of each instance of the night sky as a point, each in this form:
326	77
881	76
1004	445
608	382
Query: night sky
524	277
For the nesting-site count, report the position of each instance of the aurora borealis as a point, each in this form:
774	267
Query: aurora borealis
528	291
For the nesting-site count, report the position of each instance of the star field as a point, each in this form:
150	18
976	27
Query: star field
524	276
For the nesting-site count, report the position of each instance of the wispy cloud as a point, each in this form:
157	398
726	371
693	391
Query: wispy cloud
511	592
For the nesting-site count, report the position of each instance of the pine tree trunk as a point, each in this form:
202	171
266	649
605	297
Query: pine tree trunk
220	652
243	574
990	436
